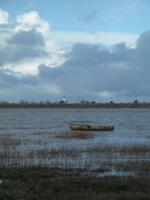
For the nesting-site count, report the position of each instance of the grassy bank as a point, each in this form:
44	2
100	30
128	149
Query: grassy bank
45	184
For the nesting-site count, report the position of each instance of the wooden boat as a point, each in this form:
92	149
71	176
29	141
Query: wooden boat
84	127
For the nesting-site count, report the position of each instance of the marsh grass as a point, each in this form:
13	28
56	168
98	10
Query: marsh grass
53	153
35	151
141	166
8	140
124	149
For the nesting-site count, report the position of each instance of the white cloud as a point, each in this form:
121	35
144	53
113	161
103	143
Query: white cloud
27	27
111	95
105	38
4	17
32	20
56	43
106	94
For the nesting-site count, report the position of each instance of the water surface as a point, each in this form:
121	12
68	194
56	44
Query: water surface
132	126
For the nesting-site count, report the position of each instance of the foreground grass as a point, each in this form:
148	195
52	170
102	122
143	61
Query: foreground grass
55	184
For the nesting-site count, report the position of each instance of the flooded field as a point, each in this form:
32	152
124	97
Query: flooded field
41	137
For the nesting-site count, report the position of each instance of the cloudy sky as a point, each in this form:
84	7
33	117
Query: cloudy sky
81	49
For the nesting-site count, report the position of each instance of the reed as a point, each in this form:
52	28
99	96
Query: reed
53	153
36	151
9	140
122	149
139	166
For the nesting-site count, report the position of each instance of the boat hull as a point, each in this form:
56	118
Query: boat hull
82	127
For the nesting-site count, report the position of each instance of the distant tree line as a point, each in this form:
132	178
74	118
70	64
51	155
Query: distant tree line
25	102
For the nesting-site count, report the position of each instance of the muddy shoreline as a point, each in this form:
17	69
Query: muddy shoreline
44	183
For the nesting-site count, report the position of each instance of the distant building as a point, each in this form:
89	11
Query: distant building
63	100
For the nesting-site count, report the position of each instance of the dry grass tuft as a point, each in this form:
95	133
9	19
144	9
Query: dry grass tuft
52	153
135	149
123	150
8	140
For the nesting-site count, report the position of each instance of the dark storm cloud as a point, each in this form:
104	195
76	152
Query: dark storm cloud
27	38
22	45
11	79
91	69
14	53
96	73
89	55
50	74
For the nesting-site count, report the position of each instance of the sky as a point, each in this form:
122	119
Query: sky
78	49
